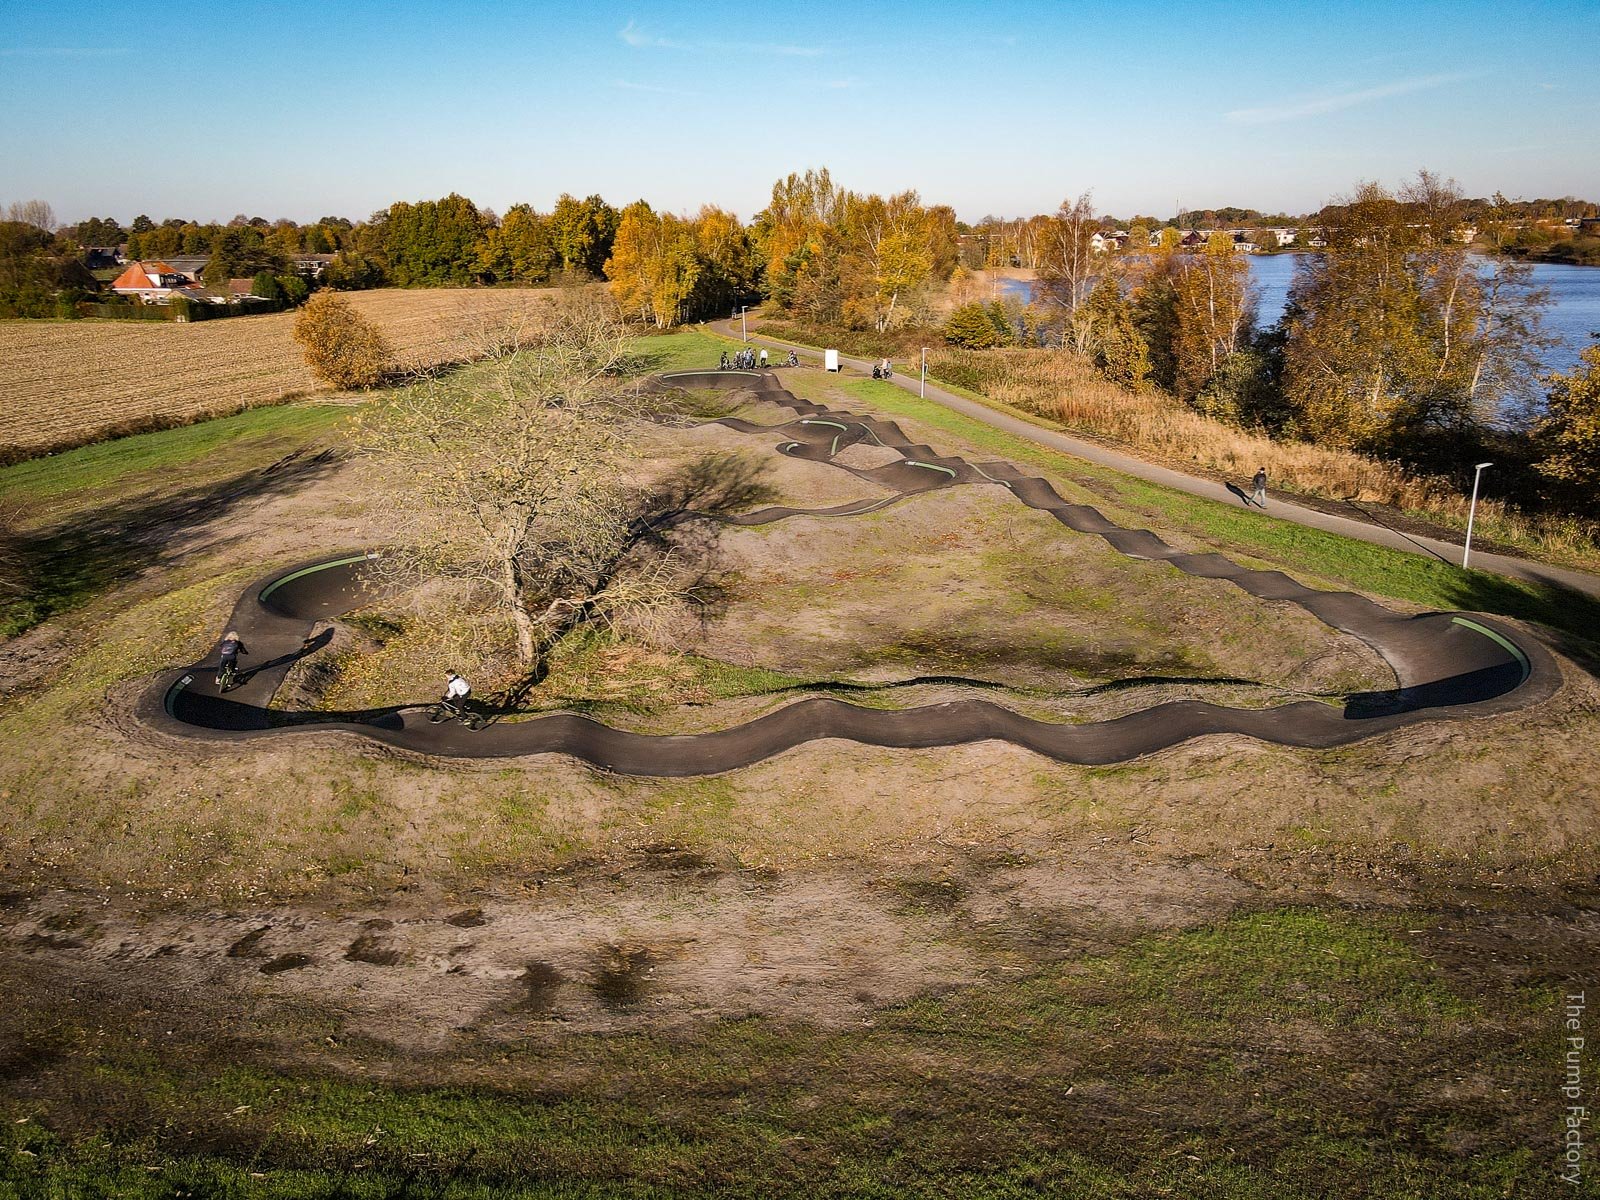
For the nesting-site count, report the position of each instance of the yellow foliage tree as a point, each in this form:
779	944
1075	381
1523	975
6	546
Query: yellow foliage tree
342	347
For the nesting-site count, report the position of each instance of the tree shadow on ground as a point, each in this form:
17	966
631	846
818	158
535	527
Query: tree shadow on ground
1572	619
67	564
678	517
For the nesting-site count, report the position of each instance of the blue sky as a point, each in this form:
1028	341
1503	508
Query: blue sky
294	109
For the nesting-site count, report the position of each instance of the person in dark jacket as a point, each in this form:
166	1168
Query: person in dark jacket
1259	483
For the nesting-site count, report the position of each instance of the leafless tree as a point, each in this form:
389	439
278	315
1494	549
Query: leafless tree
33	212
515	477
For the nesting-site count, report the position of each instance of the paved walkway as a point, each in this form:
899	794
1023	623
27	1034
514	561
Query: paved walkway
1447	552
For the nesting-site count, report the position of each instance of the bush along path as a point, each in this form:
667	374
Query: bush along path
1448	666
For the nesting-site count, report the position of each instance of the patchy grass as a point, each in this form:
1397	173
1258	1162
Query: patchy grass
1302	552
249	439
1282	1054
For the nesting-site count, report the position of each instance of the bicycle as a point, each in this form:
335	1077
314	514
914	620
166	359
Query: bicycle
448	710
227	675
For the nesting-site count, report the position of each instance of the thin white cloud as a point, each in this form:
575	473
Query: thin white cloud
642	39
62	51
628	85
1299	109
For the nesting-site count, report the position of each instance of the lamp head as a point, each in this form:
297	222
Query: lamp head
1481	466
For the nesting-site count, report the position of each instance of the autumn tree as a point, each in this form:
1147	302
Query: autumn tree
582	231
341	346
1118	349
888	256
1568	434
1394	330
801	208
517	480
729	264
654	266
1067	267
1215	311
519	248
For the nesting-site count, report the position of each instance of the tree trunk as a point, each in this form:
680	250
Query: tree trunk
511	584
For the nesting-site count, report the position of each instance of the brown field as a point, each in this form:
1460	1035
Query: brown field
64	382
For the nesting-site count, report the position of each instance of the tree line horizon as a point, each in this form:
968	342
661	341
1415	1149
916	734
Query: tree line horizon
1394	343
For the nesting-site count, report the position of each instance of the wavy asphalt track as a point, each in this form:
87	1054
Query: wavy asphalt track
1448	666
1364	529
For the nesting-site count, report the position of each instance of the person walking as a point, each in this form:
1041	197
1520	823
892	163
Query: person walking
763	359
1259	483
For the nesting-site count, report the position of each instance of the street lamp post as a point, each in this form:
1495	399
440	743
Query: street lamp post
922	392
1472	512
744	330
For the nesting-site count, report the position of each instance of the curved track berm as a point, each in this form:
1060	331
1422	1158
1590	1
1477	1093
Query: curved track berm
1447	665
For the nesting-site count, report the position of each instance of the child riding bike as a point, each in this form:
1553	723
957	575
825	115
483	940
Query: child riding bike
228	662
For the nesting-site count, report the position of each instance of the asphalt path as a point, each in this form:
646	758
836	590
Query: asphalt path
1448	666
1365	530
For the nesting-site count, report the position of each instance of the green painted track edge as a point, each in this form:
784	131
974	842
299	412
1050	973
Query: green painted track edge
293	575
1504	642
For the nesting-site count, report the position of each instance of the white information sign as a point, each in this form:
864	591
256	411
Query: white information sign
830	360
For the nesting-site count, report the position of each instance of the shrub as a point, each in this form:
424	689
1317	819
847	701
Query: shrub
342	347
978	326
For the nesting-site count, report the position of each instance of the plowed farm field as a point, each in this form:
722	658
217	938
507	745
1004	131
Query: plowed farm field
63	382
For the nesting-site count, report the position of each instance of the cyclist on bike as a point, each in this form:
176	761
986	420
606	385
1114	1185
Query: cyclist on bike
456	689
232	646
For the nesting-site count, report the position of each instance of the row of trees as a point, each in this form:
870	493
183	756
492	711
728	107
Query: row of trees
1397	341
834	256
668	269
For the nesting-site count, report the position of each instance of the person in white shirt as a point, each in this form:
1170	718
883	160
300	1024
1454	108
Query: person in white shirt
456	688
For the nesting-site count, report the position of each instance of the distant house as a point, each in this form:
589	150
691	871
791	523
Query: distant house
312	265
1193	240
100	258
152	282
191	267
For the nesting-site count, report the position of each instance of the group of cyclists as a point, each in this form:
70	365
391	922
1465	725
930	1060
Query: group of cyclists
749	360
452	706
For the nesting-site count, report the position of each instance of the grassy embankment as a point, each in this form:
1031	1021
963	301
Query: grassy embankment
1283	1054
1063	392
1319	557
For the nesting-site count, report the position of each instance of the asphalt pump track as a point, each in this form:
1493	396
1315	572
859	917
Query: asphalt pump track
1448	666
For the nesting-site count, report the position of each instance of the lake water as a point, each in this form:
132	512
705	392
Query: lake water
1574	311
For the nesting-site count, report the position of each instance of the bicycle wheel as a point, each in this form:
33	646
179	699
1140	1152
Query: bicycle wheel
474	721
437	714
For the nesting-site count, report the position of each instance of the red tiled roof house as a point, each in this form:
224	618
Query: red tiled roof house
151	282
